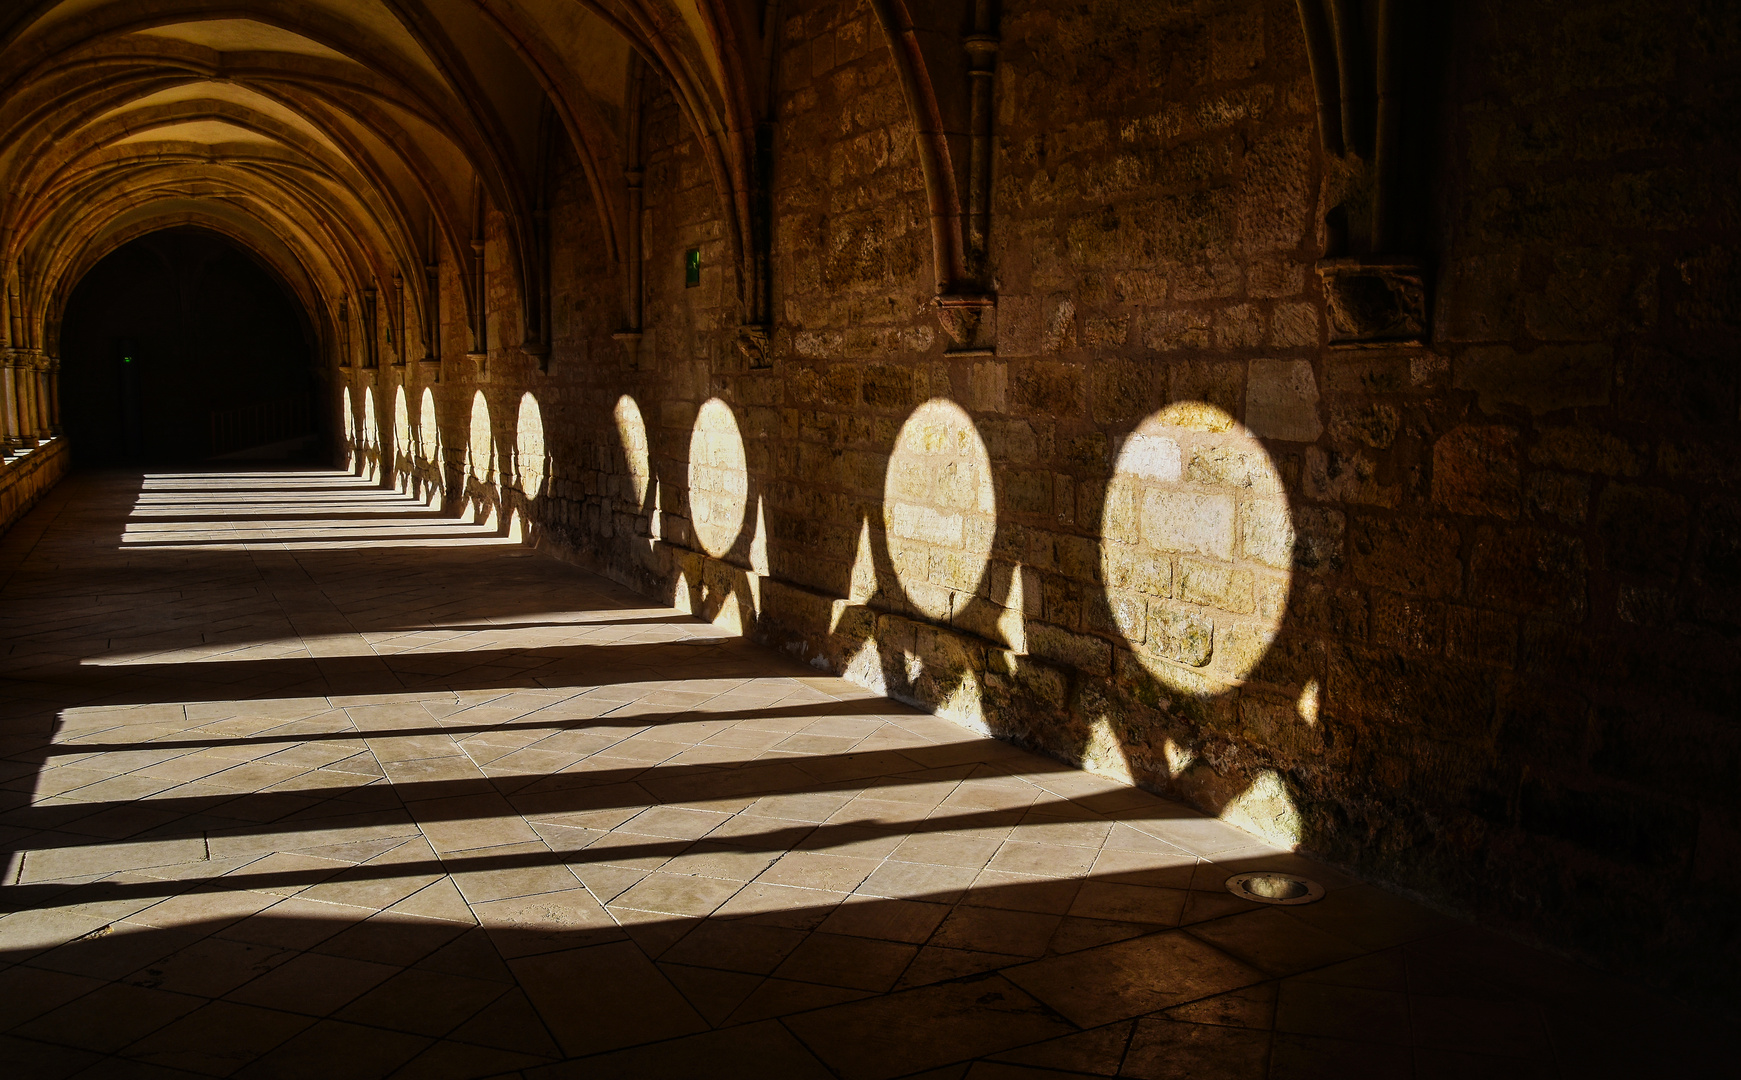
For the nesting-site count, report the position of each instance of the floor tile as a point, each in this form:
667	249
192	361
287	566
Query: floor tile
128	1013
219	1038
604	997
750	1052
1130	978
1162	1049
337	1050
923	1028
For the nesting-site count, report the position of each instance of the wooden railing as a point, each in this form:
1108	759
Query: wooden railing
260	424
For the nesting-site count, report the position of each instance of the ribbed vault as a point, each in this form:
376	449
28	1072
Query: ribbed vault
356	146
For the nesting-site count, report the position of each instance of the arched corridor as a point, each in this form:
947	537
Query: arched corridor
311	778
559	474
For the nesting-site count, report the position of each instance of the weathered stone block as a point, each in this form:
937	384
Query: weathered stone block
1080	651
1281	401
1172	330
1413	557
1586	449
1560	496
1150	457
1375	424
1293	325
1475	472
1129	567
1489	637
1125	614
1216	585
1179	635
1545	380
1266	532
1529	570
1336	476
1318	535
1234	466
1202	524
1416	626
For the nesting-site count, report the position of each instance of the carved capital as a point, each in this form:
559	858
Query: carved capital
1374	300
969	321
631	342
539	351
752	342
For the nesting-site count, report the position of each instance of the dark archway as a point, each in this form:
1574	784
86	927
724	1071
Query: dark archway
179	347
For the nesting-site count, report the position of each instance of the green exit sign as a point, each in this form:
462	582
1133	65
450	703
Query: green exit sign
692	268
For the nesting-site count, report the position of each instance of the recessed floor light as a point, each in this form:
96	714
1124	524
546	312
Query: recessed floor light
1270	887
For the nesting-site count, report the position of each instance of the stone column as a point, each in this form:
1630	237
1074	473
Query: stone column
33	379
24	387
53	377
9	431
44	428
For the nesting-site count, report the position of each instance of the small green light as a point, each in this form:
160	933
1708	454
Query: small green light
126	359
692	268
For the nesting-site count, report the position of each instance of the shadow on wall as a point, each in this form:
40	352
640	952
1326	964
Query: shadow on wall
1189	657
1189	679
493	481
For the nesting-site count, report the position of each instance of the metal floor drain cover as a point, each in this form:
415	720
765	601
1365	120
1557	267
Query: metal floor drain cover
1272	887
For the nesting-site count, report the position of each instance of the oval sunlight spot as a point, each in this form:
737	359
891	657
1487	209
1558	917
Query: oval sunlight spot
371	430
719	481
632	433
939	508
529	446
428	433
401	425
1196	545
481	450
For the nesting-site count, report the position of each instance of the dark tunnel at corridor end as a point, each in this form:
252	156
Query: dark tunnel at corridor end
168	337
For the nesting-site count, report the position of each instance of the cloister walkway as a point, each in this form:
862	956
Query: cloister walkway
303	779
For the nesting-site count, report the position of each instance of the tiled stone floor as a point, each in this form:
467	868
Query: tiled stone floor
302	779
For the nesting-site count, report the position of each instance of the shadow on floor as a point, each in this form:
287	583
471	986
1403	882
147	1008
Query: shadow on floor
276	812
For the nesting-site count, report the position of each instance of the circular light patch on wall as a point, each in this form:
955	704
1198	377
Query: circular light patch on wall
1197	544
371	430
719	478
428	431
482	448
529	446
939	508
402	425
632	433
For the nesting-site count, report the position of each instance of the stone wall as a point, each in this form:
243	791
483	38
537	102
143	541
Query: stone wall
26	477
1460	614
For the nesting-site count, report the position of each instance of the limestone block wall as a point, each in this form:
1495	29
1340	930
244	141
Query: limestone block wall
28	476
1461	613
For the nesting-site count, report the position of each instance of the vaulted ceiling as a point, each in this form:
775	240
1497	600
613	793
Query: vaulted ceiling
341	141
